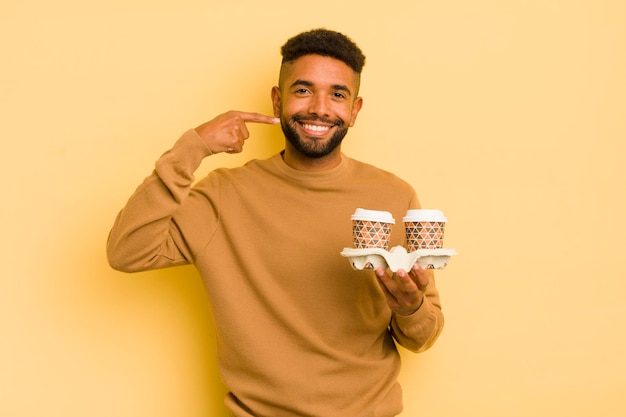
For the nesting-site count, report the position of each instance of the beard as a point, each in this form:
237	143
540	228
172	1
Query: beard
313	147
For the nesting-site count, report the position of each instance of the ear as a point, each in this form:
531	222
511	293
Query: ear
276	101
356	107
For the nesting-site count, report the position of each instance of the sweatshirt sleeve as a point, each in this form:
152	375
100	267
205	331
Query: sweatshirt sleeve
143	235
420	330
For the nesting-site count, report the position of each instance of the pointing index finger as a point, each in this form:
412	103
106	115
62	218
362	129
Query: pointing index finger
259	118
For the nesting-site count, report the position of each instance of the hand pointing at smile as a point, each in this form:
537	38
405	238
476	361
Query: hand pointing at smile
228	131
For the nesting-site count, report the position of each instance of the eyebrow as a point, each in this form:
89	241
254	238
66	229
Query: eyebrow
335	87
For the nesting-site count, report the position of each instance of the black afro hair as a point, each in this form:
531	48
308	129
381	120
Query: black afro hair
325	43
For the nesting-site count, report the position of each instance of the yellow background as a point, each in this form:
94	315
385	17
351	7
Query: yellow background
510	116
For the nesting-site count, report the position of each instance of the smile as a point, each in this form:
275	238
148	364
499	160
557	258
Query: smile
316	128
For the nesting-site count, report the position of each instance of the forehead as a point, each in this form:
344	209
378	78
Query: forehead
320	71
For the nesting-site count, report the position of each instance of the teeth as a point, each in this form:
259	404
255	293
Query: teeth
316	128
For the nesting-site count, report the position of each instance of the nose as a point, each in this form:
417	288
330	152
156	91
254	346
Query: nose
319	105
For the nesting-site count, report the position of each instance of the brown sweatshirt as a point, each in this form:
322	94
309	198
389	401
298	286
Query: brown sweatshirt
299	332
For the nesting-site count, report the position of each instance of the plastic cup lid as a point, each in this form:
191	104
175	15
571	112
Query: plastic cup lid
424	216
375	215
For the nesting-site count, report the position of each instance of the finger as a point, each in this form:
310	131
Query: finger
385	282
401	293
234	150
406	282
244	133
421	276
399	286
258	118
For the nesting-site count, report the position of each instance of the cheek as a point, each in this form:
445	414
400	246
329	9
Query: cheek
350	117
287	108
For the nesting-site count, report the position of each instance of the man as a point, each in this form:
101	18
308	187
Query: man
299	332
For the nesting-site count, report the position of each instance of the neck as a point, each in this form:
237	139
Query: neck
301	162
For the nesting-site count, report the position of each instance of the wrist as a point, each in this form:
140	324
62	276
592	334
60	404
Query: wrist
415	310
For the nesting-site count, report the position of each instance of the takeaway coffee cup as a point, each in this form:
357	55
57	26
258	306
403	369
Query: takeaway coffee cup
371	228
424	229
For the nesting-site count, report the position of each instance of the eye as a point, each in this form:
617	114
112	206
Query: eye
339	95
301	91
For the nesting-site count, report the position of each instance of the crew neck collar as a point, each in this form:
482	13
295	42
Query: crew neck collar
299	174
